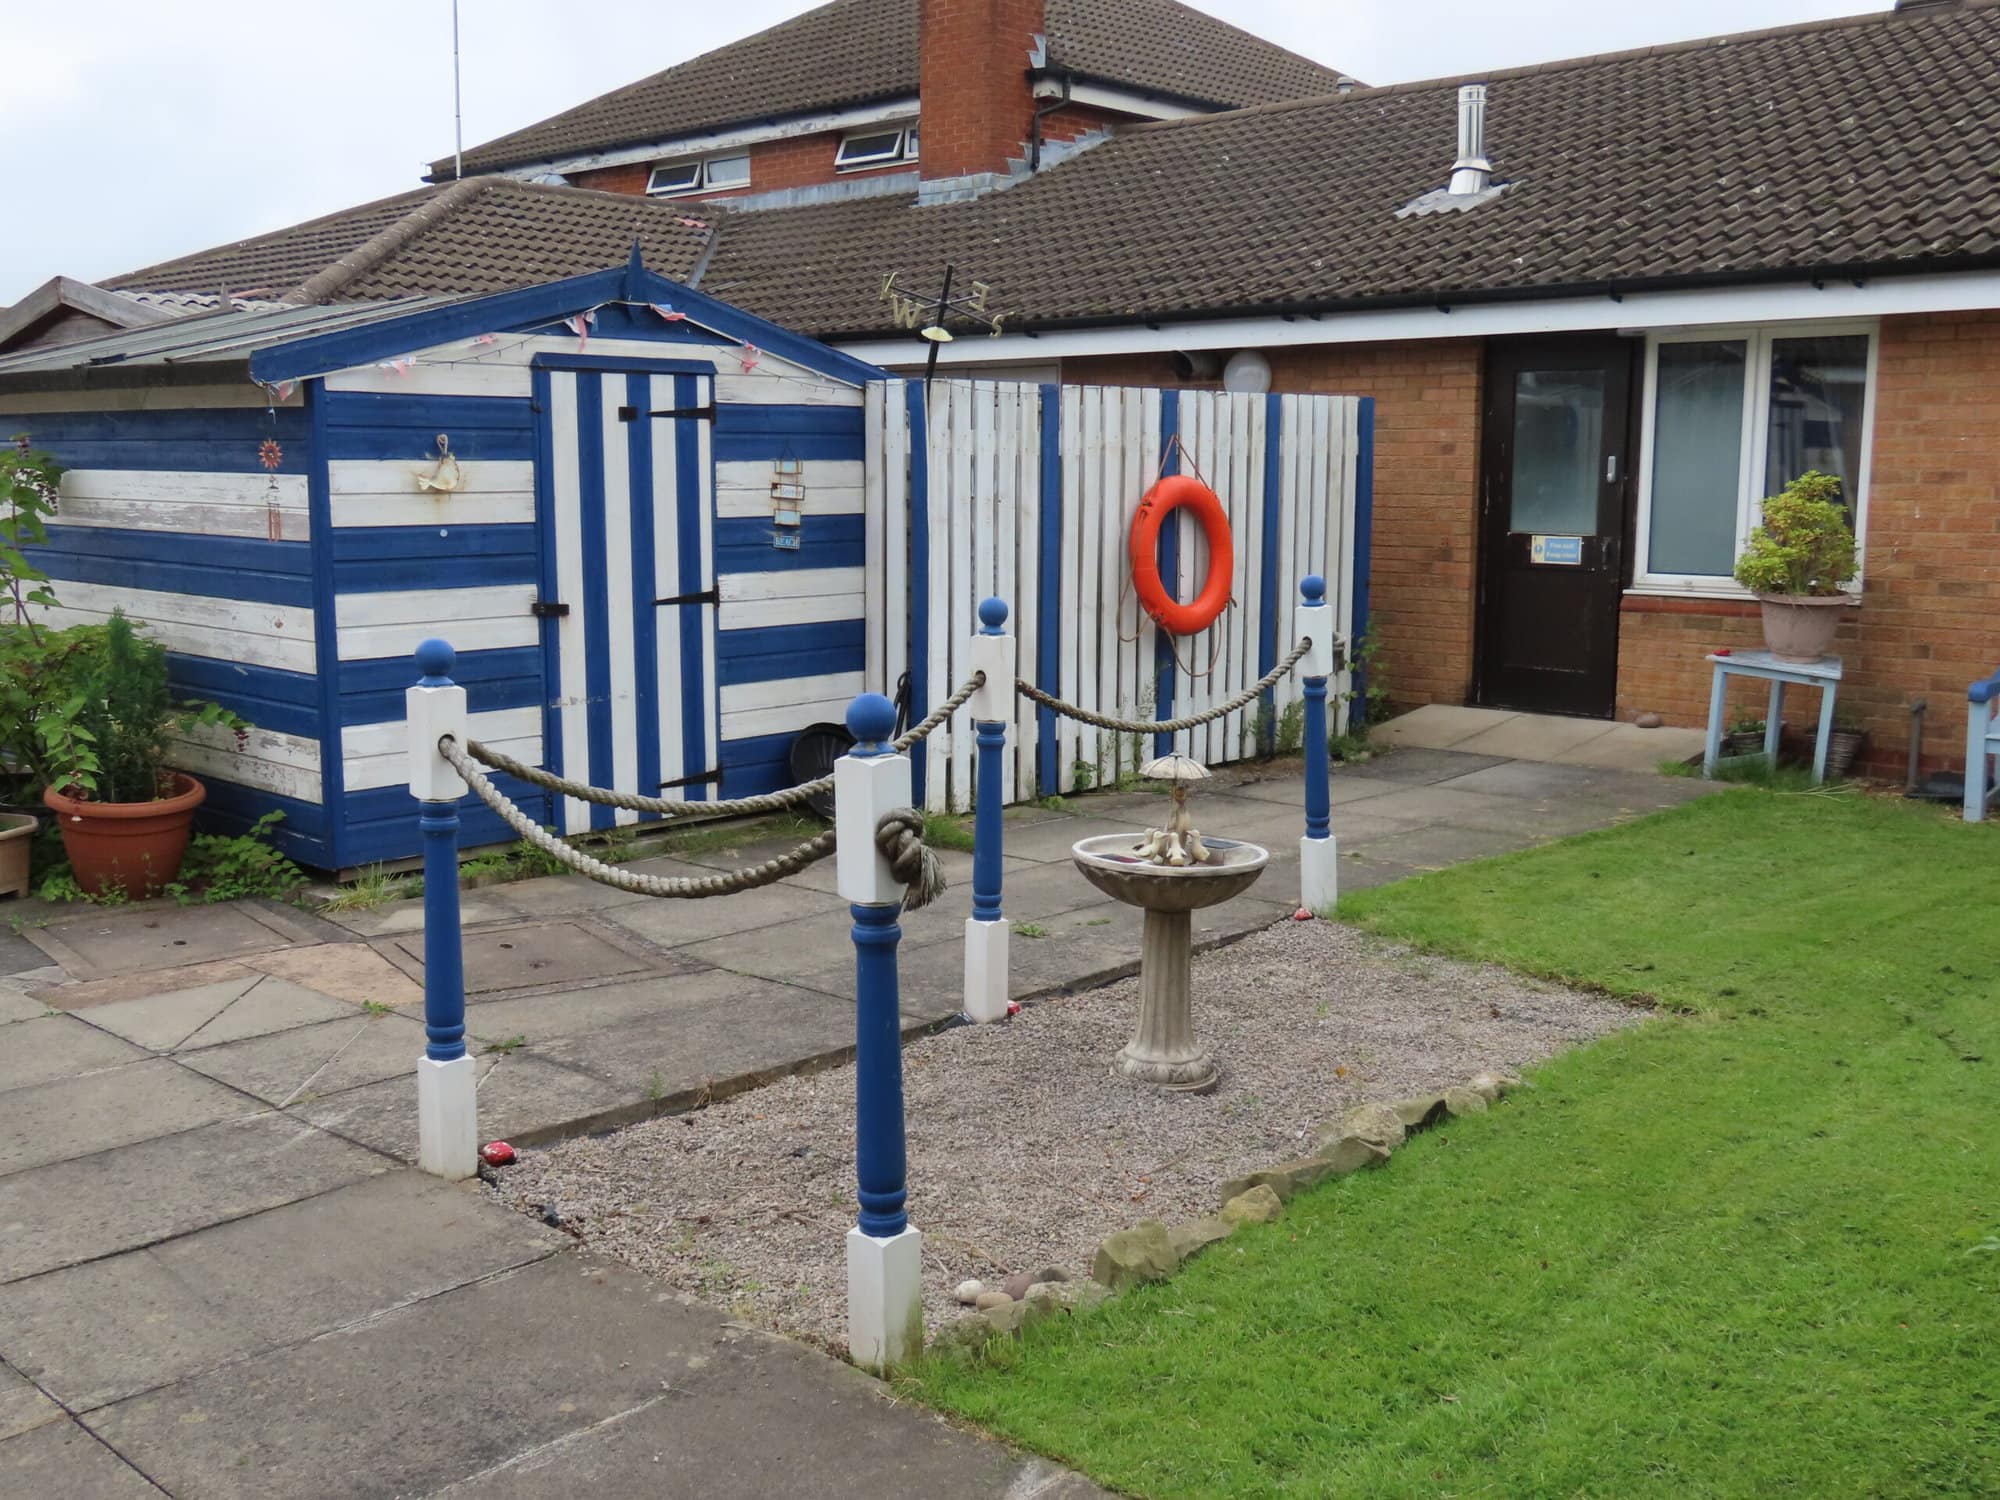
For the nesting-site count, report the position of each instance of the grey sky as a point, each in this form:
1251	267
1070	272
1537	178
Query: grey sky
132	132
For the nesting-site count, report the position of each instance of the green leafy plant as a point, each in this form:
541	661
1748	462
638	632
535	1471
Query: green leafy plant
1804	547
1084	774
371	888
1292	727
230	867
1368	663
28	481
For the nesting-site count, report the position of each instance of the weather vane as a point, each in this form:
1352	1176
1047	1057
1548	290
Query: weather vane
927	314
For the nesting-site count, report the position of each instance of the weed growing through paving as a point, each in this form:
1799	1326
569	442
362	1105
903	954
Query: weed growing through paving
506	1046
1755	1240
944	831
1030	930
378	1007
371	888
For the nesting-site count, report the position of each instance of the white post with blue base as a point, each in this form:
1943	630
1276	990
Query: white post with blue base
992	710
447	1092
885	1305
1319	853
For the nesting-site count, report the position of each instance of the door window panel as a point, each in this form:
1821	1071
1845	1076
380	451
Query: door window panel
1558	445
1697	456
1819	390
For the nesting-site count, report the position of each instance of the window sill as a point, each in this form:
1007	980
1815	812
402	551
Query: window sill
1720	603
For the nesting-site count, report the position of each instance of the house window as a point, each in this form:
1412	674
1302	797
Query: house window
1733	415
875	148
700	175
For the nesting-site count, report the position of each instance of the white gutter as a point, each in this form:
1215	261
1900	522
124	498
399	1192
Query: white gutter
1888	296
722	140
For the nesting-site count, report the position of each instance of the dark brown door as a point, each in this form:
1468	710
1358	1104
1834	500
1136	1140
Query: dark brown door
1552	524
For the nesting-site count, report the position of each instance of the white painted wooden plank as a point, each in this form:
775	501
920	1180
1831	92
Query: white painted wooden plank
1001	515
755	505
473	378
1322	449
780	387
1243	625
376	492
294	750
705	510
822	687
364	773
442	607
806	609
793	583
622	644
1026	620
666	578
895	563
245	617
1070	622
144	398
1133	620
964	505
1091	612
789	718
288	653
1344	513
1123	434
202	504
873	552
391	736
1250	549
1293	465
1198	443
214	763
937	439
374	642
570	701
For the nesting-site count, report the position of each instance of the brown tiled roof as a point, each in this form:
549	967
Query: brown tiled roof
483	235
1864	142
852	51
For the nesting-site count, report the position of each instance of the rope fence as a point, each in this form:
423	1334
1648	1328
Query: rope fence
1243	699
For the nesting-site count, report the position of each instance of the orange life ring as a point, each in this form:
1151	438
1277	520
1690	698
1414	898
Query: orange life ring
1164	498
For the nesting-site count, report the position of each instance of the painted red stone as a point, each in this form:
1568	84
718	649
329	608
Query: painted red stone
496	1154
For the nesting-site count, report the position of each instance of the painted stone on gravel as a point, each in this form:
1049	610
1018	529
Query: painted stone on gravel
1460	1102
1191	1238
1420	1112
967	1292
1131	1256
1258	1206
987	1301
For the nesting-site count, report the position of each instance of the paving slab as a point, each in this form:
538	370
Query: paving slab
1438	726
22	1406
668	924
310	1062
73	1211
570	895
1422	805
162	1022
802	945
1444	844
18	1005
98	1333
102	944
1627	747
524	954
45	1048
61	1461
1534	737
271	1004
70	1117
1423	766
1050	842
17	954
522	1099
393	918
353	972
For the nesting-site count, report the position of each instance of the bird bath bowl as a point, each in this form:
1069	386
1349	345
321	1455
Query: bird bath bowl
1163	1049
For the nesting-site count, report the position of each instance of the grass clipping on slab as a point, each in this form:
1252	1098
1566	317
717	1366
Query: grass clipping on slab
1756	1253
1023	1151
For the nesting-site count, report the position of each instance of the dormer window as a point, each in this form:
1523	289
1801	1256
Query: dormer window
877	148
703	174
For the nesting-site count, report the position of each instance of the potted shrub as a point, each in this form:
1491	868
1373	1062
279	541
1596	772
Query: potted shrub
124	813
1795	563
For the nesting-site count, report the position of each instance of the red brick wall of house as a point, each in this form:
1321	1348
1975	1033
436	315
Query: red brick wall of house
973	79
1929	619
1420	581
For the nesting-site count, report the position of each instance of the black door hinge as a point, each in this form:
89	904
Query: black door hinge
694	413
706	596
706	778
548	609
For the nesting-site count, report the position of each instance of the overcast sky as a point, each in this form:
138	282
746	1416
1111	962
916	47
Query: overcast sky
131	133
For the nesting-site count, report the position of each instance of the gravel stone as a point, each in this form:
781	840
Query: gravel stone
1023	1150
966	1293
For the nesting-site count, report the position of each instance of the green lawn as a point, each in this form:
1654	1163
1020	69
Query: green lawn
1748	1249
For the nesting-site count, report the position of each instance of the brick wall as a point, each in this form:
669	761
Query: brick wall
977	106
1929	620
1426	485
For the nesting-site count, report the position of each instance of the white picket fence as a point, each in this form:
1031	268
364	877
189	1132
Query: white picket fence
979	514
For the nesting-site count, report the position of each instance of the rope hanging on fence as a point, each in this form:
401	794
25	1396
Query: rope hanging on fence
768	802
899	837
1167	726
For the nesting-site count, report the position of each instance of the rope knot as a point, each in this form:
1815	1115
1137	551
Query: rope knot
900	839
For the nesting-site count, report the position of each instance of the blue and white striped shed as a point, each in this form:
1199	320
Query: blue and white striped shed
603	547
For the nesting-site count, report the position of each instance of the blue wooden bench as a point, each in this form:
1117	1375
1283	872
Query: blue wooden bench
1982	743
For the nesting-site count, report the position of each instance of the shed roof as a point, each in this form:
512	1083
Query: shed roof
851	52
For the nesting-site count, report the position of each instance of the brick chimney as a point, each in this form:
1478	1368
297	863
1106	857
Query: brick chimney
978	107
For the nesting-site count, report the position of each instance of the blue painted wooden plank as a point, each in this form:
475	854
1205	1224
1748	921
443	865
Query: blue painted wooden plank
764	447
1049	595
191	456
326	639
166	577
771	652
645	614
738	418
287	702
371	692
362	543
433	414
251	424
1169	555
418	445
1273	591
615	321
1364	546
696	575
596	586
751	767
388	574
744	545
920	573
381	823
249	553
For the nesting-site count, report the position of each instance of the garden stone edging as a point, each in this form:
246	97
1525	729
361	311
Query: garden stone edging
1151	1251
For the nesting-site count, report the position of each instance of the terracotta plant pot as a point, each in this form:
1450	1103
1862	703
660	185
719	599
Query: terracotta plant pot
134	847
17	834
1800	627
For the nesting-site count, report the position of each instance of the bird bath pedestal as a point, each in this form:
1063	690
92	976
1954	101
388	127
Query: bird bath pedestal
1163	1049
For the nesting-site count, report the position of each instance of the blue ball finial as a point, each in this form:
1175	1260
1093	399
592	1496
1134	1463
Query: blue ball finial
871	719
992	615
435	659
1313	587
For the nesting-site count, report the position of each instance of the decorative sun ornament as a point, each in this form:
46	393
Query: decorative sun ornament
269	454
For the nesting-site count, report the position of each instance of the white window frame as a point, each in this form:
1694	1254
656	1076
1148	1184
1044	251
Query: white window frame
1758	339
906	133
703	170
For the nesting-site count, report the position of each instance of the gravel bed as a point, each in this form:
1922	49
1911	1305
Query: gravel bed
1024	1151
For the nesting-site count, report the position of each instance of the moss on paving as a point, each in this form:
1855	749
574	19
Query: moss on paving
1749	1249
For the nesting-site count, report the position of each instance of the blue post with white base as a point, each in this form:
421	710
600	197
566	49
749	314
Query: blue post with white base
1319	859
992	710
447	1098
885	1308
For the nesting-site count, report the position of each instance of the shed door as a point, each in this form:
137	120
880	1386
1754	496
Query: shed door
627	491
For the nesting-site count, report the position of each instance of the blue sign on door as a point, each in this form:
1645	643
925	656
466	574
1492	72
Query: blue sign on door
1565	550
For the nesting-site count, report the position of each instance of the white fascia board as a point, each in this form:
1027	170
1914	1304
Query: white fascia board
1124	102
1778	302
723	140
